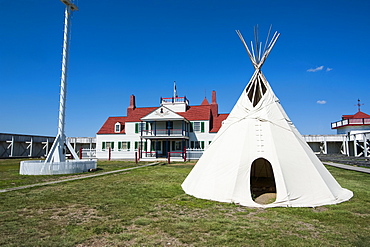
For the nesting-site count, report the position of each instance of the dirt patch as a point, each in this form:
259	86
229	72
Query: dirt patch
319	209
75	213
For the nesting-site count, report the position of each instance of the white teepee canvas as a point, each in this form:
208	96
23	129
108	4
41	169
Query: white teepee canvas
258	150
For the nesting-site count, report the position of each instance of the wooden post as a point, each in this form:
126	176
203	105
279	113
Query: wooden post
184	154
80	152
169	158
136	158
109	153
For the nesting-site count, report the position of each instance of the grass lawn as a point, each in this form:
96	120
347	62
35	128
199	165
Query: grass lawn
147	207
9	172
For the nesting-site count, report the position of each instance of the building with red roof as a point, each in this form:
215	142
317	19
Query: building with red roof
174	128
349	123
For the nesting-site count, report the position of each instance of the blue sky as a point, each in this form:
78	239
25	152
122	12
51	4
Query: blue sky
318	68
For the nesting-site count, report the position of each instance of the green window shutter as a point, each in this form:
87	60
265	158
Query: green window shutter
209	142
136	127
128	145
112	145
201	126
119	145
192	144
146	125
103	145
191	127
202	144
136	145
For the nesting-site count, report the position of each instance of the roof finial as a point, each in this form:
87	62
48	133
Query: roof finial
359	105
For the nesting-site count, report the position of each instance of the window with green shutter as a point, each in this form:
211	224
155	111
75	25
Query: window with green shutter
103	146
197	127
136	127
124	146
202	144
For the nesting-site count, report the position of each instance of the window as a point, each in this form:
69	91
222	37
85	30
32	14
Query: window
123	146
197	144
176	145
107	146
198	126
117	127
141	126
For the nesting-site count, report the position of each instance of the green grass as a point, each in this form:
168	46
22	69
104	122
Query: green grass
147	207
9	172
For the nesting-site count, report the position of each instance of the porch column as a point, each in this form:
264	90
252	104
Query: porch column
149	146
183	147
167	147
157	148
182	128
365	146
354	145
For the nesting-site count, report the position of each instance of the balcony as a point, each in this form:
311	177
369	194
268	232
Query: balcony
350	122
165	133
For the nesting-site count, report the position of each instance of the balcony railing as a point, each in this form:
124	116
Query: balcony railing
174	100
165	132
351	121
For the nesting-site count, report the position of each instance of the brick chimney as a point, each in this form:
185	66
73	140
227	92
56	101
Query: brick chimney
214	97
132	105
214	105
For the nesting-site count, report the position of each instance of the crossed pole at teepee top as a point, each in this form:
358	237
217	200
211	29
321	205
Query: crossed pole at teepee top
258	56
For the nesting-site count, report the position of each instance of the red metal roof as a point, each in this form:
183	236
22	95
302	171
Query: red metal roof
359	114
199	112
205	101
108	126
217	122
193	113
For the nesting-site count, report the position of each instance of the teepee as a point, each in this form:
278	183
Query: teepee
258	151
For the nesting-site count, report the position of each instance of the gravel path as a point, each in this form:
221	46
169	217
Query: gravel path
347	167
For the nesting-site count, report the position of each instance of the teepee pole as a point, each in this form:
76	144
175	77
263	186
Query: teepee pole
257	56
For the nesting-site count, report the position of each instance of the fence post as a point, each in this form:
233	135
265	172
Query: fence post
135	157
184	154
80	152
169	158
109	153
